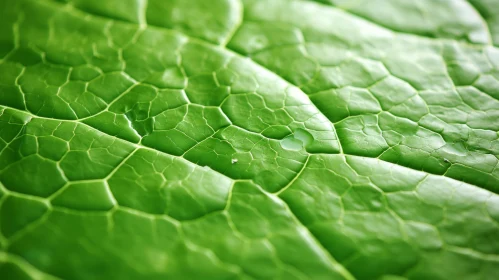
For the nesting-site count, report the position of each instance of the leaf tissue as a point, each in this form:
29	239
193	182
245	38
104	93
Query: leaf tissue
249	139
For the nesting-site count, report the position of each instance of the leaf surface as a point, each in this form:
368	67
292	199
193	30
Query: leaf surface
269	139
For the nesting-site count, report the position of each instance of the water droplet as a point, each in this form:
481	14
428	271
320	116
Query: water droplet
291	143
297	141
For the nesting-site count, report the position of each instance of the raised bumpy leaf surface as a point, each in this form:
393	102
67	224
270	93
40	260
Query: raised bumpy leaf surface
249	139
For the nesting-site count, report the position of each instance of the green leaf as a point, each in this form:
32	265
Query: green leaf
249	139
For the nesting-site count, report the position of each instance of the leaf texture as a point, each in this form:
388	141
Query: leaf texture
249	139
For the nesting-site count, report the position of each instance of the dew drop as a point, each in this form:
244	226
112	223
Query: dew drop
291	143
297	141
